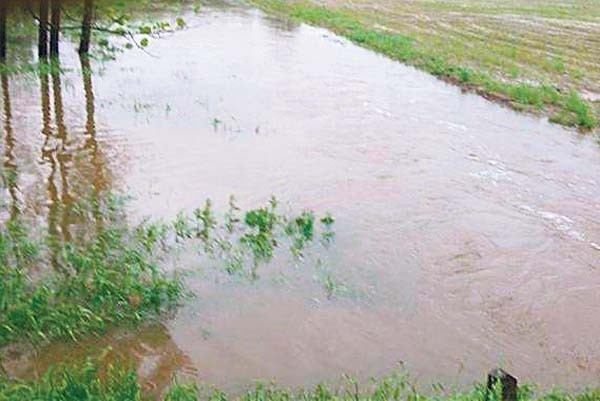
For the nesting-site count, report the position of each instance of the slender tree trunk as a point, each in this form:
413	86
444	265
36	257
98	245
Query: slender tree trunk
43	30
55	28
86	27
3	12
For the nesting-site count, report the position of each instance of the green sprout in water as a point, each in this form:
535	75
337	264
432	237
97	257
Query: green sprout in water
231	218
106	277
215	122
328	235
109	275
205	221
301	231
245	240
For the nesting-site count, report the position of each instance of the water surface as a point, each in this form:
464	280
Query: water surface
467	234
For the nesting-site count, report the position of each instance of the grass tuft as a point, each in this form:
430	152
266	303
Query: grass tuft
582	110
109	273
80	287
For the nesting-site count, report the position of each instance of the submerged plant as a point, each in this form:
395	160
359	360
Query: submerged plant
231	217
259	237
244	240
183	229
331	285
182	392
301	231
98	279
108	274
328	235
205	223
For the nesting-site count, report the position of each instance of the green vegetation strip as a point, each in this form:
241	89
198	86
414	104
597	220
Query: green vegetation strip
90	381
109	274
71	289
564	107
243	241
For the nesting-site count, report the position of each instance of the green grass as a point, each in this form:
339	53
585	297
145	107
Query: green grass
108	274
93	382
242	241
80	383
50	289
564	107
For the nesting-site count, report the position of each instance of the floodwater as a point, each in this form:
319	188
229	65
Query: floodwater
467	235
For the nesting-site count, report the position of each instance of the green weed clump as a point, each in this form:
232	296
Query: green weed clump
575	112
51	289
581	109
245	240
84	382
90	381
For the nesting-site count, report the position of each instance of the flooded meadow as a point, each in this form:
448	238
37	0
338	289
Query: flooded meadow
467	235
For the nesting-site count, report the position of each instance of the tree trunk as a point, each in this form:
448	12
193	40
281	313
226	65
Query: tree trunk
3	12
86	27
55	28
43	30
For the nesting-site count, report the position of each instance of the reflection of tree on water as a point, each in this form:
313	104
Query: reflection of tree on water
9	166
62	154
78	170
98	176
49	157
55	154
151	348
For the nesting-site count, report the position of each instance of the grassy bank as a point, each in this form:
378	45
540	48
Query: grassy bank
92	381
484	69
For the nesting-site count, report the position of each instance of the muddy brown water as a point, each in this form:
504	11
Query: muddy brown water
468	235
